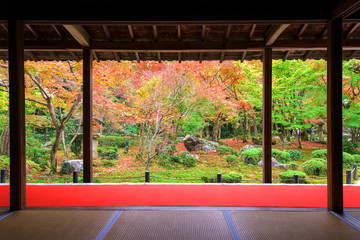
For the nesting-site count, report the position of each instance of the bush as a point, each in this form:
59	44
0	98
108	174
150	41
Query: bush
225	150
252	155
357	159
190	161
76	146
183	154
176	159
232	160
293	166
294	154
232	177
350	147
348	160
108	163
5	162
170	149
283	157
288	176
319	154
39	156
65	168
315	166
115	141
110	154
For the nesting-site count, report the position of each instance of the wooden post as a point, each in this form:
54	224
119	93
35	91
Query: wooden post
267	123
334	117
17	116
87	116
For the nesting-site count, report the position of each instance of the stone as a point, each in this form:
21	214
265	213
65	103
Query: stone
76	165
275	164
192	155
285	142
48	144
197	144
246	148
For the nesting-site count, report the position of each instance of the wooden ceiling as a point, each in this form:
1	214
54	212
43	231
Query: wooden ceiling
185	30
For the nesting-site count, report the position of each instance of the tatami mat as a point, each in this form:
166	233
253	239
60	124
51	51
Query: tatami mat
291	225
170	225
53	225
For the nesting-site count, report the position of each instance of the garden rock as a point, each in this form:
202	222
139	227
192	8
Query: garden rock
275	164
246	148
192	155
76	165
197	144
284	143
48	144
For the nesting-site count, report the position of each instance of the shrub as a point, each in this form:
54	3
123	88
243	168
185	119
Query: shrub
356	159
294	154
183	154
176	159
170	149
319	154
110	154
5	162
189	161
283	157
114	141
348	160
252	155
350	147
293	166
76	146
224	150
288	176
315	166
164	162
108	163
39	156
232	160
232	177
65	168
32	167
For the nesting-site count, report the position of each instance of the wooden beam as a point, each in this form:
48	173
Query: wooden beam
352	29
117	57
32	31
79	34
155	33
107	32
201	57
203	33
227	32
302	30
287	53
4	27
274	32
53	55
351	54
159	57
179	57
95	56
267	117
334	117
31	55
75	56
252	31
137	57
306	55
131	32
57	31
345	8
222	55
17	116
179	32
87	116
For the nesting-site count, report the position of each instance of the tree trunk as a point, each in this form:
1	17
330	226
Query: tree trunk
216	127
255	126
54	149
207	131
243	123
248	127
4	142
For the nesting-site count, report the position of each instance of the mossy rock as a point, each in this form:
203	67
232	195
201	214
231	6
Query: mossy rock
280	156
315	166
252	155
232	160
319	154
288	176
224	150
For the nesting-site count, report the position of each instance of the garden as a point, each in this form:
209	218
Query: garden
145	115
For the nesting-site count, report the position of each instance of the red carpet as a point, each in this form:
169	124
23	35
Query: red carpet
243	195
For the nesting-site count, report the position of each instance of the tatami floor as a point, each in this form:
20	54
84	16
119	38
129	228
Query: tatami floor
178	223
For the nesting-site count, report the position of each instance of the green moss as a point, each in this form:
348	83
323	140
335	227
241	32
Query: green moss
294	154
224	150
319	154
231	177
315	166
190	161
232	160
348	160
252	155
281	156
288	176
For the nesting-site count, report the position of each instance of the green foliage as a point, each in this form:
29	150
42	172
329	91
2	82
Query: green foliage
350	147
294	154
32	166
315	166
38	155
232	160
114	141
231	177
293	166
224	150
5	162
65	168
183	154
170	149
348	160
190	161
288	176
319	154
176	159
109	153
76	146
357	159
252	155
281	156
108	163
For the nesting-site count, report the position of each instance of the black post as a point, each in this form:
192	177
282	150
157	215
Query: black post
3	175
147	176
75	177
355	171
348	176
296	178
218	178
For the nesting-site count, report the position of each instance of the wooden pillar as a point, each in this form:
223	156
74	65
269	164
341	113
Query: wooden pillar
334	116
267	121
17	116
87	116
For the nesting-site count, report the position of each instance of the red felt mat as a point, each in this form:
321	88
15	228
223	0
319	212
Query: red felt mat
241	195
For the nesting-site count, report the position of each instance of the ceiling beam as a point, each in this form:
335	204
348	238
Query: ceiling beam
137	55
155	33
274	32
131	32
302	30
117	56
179	32
79	34
351	30
345	8
252	31
32	31
58	32
227	32
107	32
203	33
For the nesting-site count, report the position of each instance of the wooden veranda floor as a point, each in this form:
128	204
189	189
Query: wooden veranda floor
177	223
